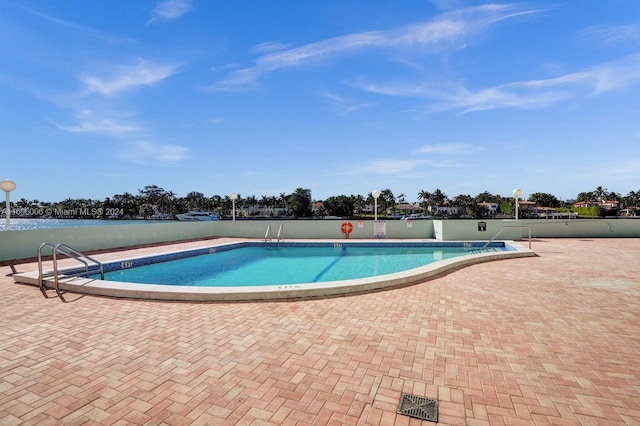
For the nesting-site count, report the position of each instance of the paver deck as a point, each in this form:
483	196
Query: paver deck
553	339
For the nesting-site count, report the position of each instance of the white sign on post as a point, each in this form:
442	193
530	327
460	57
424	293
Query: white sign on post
380	229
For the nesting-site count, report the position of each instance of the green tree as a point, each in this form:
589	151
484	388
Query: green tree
301	203
387	201
632	199
466	202
252	202
544	200
358	204
195	200
127	203
340	205
431	200
424	197
487	197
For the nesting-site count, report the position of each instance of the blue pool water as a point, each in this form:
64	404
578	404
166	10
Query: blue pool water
257	265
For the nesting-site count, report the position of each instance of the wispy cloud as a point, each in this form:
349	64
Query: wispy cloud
344	105
388	166
88	122
170	10
532	94
269	47
85	31
427	157
609	35
145	152
449	31
127	77
447	149
135	144
400	167
627	170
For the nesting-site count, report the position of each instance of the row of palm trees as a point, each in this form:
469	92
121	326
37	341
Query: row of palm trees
155	202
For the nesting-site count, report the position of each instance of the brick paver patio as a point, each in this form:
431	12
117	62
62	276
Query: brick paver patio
553	339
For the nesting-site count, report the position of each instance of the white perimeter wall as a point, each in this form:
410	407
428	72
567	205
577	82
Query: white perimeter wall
23	244
452	230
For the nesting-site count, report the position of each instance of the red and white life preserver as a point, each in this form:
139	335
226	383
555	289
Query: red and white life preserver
347	228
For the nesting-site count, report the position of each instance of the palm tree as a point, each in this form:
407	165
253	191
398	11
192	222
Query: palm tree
283	201
424	197
171	195
252	202
264	204
23	203
439	197
600	194
465	202
358	204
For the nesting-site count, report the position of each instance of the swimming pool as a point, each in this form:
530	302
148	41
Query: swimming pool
323	283
257	265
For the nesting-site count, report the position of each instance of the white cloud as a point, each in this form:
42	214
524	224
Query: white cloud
446	4
170	10
127	77
345	106
607	35
533	94
146	152
85	31
269	46
399	167
447	149
90	123
389	166
448	31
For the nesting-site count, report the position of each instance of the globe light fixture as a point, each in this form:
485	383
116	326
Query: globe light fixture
7	186
516	194
233	197
375	194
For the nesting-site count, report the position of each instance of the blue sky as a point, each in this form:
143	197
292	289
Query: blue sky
341	97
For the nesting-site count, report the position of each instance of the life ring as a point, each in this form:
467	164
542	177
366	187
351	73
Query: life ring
347	228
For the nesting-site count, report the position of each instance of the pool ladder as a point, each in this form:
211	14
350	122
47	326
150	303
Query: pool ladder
280	237
72	253
505	227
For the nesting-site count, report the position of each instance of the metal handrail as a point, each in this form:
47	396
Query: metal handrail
280	233
505	227
267	235
280	236
70	252
40	276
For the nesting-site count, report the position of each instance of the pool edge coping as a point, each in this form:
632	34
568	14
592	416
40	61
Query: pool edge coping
272	292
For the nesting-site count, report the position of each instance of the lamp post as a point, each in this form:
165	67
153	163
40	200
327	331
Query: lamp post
233	197
516	194
375	194
7	186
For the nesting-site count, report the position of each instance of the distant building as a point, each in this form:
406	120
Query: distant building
492	208
407	209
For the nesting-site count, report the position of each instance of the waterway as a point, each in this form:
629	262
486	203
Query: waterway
18	224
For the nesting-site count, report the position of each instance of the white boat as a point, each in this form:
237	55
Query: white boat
194	216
